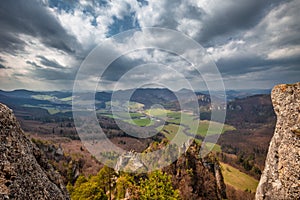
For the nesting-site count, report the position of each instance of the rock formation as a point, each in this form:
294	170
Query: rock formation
24	171
130	161
281	176
195	177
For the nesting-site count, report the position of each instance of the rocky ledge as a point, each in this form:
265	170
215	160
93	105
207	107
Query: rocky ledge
24	171
281	176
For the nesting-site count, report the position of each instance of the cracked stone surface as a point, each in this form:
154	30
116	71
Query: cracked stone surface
281	176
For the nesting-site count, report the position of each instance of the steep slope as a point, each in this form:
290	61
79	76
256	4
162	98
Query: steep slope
281	177
24	170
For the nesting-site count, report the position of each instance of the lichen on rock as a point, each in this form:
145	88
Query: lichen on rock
281	176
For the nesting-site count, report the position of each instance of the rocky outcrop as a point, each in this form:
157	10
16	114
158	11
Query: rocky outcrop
24	171
281	176
131	162
195	177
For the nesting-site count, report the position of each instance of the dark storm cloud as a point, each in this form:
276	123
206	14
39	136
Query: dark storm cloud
50	63
119	67
2	66
51	73
253	63
222	20
269	50
231	17
242	65
34	64
9	42
31	18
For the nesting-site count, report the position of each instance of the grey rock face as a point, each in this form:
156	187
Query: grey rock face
24	170
130	162
281	177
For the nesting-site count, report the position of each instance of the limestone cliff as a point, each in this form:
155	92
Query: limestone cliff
24	170
281	177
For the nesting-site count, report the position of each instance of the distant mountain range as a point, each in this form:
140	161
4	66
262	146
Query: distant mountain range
61	101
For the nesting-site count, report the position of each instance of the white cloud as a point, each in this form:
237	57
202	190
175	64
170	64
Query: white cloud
183	16
80	25
279	29
79	22
190	27
22	74
273	39
284	53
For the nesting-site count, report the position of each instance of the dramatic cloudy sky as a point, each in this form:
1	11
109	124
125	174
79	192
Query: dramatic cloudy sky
254	43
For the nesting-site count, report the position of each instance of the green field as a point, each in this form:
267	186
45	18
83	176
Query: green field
125	105
120	114
215	147
52	111
137	119
136	115
66	98
214	128
157	112
170	131
175	133
238	179
135	105
203	126
140	122
178	120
